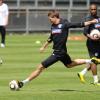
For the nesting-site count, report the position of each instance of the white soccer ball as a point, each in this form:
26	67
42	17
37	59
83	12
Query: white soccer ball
14	85
95	34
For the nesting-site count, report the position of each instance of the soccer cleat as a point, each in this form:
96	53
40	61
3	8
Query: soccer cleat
95	60
96	84
2	45
81	77
20	84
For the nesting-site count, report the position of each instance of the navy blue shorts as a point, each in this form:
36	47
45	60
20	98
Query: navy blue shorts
64	58
93	48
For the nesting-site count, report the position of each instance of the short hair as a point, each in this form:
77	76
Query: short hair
53	13
93	4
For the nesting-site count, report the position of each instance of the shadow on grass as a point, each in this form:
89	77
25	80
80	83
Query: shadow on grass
72	90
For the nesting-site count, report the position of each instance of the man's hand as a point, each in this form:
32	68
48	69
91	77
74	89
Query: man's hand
93	38
94	21
98	20
42	49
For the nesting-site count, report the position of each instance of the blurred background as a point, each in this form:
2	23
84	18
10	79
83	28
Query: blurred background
30	16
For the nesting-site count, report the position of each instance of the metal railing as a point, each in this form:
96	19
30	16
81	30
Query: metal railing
31	15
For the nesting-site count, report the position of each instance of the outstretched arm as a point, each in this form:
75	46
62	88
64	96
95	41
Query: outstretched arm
81	24
90	22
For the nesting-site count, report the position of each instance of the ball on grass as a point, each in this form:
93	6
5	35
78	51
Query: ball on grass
14	85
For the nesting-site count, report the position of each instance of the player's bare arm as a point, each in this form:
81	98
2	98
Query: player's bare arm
90	22
44	46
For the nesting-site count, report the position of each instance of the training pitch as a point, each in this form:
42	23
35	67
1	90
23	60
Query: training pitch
21	56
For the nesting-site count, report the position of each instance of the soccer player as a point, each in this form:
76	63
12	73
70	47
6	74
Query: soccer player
59	35
4	13
93	45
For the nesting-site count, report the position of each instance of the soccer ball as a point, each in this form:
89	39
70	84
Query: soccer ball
14	85
95	34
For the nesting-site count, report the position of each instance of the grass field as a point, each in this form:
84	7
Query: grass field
20	58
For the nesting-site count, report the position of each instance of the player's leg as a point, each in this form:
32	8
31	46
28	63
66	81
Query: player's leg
79	62
83	72
88	67
66	60
46	63
33	75
3	33
93	68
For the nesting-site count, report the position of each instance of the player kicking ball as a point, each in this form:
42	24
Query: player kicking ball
59	35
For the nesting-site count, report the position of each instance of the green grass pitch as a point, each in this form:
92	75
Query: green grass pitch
20	58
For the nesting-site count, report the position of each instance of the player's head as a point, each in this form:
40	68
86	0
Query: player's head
1	0
53	16
93	9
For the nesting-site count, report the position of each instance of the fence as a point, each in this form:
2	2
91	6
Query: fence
31	15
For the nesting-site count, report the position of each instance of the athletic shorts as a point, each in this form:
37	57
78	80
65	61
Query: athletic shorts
94	54
64	58
93	49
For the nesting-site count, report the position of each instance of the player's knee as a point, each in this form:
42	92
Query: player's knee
68	66
40	67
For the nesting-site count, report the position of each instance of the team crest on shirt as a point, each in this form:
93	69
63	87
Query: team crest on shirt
60	25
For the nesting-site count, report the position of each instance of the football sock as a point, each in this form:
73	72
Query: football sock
88	61
25	81
95	78
83	72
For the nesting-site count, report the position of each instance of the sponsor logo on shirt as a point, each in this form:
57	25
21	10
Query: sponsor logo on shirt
57	30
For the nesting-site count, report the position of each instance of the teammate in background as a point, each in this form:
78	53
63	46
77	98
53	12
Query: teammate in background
59	35
4	13
93	45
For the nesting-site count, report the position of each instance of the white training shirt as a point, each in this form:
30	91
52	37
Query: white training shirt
3	13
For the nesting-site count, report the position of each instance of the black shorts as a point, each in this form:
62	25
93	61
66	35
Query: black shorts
64	58
93	48
94	54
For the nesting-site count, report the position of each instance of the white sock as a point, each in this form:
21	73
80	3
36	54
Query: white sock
88	61
95	78
25	81
83	72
